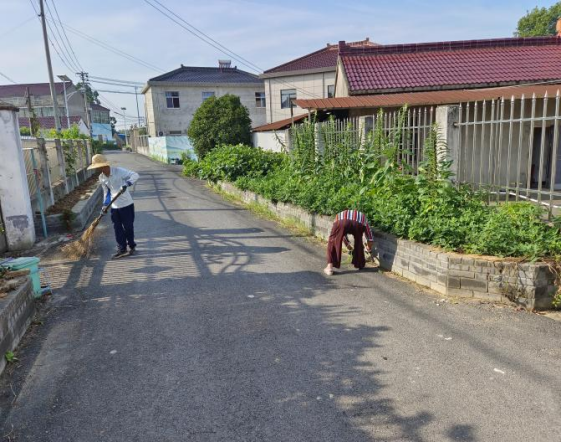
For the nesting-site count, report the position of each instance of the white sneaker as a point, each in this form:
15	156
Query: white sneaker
328	271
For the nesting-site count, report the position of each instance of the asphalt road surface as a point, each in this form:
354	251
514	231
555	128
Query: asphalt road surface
224	328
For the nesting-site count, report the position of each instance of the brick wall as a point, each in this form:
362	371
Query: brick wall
528	284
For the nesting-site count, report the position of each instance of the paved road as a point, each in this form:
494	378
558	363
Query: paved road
223	328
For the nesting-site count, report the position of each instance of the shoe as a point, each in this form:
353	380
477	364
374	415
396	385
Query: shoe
328	271
119	254
132	250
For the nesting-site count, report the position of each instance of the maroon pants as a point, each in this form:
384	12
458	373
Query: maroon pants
338	231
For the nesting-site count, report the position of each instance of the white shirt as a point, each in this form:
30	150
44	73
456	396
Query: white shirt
118	178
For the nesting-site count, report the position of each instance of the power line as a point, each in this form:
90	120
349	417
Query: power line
116	92
117	84
134	83
66	36
63	48
7	78
220	47
209	40
50	41
17	27
110	48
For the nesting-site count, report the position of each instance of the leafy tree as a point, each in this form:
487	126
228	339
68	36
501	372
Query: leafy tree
91	94
539	21
219	121
113	122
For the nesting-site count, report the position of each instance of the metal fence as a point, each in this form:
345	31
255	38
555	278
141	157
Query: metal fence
510	146
54	168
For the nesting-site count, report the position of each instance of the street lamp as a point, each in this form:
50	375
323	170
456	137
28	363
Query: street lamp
64	79
124	109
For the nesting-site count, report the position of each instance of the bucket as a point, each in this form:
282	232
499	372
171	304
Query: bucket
31	263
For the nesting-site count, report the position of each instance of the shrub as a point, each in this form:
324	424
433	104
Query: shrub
219	121
230	162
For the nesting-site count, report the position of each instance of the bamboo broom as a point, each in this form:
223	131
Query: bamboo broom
82	248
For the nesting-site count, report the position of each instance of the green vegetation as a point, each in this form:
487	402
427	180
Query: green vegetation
427	207
539	21
24	131
219	121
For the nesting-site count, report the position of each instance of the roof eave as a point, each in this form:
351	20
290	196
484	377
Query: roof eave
486	85
297	72
202	84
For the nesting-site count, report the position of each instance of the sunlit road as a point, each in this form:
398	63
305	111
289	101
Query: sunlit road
223	328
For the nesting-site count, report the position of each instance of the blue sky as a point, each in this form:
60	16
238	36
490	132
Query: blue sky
265	32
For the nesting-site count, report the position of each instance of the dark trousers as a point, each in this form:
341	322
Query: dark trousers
335	244
123	223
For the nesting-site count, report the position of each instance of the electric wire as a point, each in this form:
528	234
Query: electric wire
7	78
66	36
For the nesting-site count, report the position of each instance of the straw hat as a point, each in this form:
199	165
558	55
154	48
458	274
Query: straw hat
98	161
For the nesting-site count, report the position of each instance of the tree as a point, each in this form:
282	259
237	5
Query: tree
113	122
539	21
219	121
91	94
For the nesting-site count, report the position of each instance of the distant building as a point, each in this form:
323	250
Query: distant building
171	99
307	77
38	96
101	122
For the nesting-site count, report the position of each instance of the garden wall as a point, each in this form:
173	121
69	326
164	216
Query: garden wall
16	313
528	284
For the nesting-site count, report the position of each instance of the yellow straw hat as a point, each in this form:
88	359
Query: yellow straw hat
98	161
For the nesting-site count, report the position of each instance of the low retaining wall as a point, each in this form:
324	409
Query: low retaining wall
16	313
82	211
528	284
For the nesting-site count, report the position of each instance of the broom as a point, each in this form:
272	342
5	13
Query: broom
83	247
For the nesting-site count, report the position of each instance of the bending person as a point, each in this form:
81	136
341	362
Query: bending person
348	222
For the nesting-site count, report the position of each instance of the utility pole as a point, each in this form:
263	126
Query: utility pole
124	109
49	65
137	109
85	82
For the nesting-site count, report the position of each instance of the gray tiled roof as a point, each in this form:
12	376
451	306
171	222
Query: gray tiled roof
193	74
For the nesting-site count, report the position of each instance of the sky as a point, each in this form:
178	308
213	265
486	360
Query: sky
266	33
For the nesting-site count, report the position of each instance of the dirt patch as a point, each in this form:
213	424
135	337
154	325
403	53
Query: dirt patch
73	197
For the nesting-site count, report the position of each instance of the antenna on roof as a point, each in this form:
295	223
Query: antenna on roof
224	64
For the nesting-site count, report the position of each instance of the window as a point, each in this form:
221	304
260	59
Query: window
172	100
207	95
260	100
175	132
287	95
331	91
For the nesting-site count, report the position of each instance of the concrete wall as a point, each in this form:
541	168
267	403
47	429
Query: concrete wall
312	85
17	215
275	141
166	149
16	313
529	284
161	119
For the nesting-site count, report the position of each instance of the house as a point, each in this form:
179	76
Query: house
48	123
496	103
38	96
171	99
306	77
101	122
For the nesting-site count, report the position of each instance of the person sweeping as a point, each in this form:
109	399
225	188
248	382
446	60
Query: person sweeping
115	181
348	222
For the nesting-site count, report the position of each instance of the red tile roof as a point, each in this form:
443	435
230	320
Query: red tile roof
99	107
278	125
451	65
19	90
428	98
324	58
49	122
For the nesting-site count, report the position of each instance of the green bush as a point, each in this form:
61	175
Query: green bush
428	208
231	162
219	121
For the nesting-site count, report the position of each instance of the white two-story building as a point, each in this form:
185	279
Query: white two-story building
171	99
